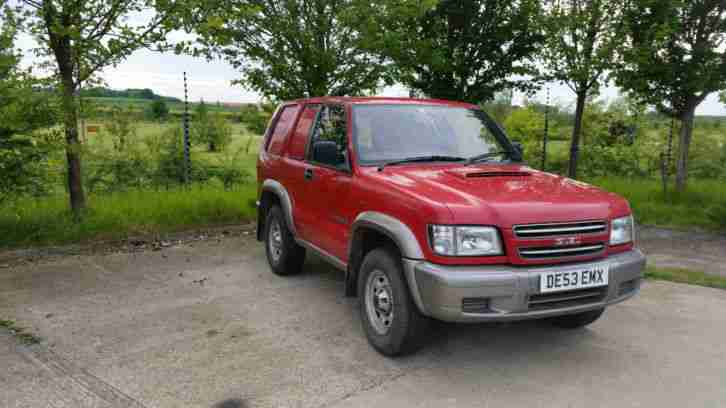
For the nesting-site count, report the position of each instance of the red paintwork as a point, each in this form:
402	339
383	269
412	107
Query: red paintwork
435	193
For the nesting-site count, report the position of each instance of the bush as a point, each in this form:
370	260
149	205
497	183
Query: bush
158	110
707	158
651	207
254	119
210	129
169	148
118	171
525	125
23	168
228	171
716	213
616	160
122	126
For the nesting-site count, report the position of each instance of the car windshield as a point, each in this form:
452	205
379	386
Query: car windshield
389	133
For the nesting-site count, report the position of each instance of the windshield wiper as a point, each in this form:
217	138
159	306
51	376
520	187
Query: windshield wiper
421	159
485	156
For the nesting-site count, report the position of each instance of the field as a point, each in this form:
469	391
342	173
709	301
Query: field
176	108
131	192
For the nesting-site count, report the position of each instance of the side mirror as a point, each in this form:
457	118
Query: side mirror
326	152
518	151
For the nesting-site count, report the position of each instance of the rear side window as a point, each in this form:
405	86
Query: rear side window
299	141
282	128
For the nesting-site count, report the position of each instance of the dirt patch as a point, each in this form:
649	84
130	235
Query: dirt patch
698	251
137	243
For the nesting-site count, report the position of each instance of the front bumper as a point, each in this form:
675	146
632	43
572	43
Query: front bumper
505	293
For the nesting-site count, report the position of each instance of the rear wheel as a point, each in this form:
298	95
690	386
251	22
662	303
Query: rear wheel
391	321
284	255
575	321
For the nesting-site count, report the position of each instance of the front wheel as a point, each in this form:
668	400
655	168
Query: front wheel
391	321
575	321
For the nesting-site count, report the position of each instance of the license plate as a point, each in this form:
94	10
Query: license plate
588	277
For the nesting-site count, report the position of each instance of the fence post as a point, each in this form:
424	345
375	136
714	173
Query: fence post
546	130
187	159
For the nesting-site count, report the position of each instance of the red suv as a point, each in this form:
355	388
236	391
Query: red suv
428	209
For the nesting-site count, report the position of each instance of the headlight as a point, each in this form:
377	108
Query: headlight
465	241
621	230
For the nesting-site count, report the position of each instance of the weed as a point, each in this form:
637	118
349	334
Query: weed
685	276
20	333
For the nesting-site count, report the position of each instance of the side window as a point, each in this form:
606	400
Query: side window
329	140
299	141
282	128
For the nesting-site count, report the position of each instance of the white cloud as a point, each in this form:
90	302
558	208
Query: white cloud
211	80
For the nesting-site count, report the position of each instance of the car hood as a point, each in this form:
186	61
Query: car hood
504	194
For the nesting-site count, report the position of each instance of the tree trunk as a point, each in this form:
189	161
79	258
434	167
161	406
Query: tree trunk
684	145
576	130
73	147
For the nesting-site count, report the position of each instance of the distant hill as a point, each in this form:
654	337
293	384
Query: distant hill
148	94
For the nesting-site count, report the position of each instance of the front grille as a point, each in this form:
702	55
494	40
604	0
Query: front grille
567	299
560	251
553	230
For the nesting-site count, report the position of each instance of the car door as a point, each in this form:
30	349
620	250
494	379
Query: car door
328	179
294	177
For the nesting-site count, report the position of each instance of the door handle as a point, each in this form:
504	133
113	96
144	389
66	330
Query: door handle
308	174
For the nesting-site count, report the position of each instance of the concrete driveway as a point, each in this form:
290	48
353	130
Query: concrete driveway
208	325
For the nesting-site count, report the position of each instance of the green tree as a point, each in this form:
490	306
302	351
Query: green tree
289	49
582	36
23	111
159	110
79	38
455	49
673	58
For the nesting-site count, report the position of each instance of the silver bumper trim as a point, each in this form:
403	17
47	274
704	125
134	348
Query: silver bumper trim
439	290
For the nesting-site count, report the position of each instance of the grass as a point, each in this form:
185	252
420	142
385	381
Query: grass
19	332
47	220
693	208
685	276
118	215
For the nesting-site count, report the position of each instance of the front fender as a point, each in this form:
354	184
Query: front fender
276	188
401	235
396	230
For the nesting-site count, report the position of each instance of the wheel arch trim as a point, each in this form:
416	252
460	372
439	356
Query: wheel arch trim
392	227
276	188
402	236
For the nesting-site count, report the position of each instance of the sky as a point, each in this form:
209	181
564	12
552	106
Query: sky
211	81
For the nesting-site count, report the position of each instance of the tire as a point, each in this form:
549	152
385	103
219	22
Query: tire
390	319
284	255
578	320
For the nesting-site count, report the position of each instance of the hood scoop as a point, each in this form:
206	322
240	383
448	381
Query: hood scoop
480	174
490	171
